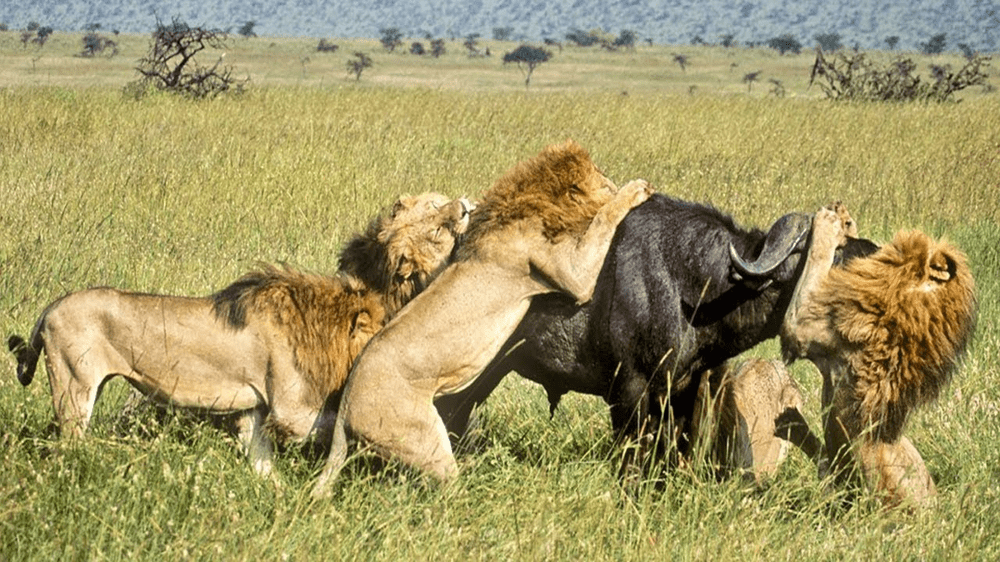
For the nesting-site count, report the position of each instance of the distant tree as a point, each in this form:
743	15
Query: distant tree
553	43
777	88
326	46
4	26
92	27
246	29
891	41
392	37
697	40
471	44
437	48
728	40
417	48
626	39
785	43
681	61
95	44
583	38
170	65
829	42
750	78
527	58
967	51
936	44
32	26
502	33
358	64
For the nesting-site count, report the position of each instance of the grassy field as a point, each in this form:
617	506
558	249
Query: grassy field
169	196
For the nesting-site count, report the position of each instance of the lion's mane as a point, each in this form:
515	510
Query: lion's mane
555	186
906	313
327	320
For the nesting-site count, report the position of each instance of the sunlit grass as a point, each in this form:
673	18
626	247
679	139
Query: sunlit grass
165	195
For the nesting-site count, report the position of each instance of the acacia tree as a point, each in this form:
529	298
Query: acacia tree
392	37
358	64
785	43
527	58
170	64
936	44
829	42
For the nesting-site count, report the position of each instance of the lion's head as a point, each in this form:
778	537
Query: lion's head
403	249
909	310
560	186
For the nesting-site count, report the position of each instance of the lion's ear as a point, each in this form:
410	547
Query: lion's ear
940	267
362	320
401	204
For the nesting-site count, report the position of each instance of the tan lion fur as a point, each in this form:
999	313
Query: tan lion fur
276	343
544	226
886	332
739	422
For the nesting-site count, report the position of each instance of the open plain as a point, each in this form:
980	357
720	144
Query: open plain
168	195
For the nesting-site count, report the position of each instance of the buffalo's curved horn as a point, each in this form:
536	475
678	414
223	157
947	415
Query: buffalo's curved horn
782	239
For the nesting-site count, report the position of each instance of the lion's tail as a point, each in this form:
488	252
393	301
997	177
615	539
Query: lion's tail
28	352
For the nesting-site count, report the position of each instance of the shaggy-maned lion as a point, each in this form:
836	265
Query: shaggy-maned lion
886	332
544	226
275	344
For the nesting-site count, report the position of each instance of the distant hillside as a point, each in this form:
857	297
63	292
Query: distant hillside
865	23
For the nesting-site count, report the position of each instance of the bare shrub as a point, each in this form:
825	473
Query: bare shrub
327	46
170	64
855	77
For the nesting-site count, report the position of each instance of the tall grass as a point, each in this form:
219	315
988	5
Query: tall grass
165	195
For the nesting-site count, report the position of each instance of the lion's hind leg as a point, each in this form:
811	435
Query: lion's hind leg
75	387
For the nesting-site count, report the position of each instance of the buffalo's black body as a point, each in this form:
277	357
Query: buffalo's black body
667	308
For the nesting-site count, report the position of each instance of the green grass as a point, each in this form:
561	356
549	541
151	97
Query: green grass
170	196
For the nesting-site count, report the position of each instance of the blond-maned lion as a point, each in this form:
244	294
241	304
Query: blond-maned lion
544	226
273	346
886	332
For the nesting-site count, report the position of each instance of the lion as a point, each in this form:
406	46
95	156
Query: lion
886	331
739	421
544	226
271	347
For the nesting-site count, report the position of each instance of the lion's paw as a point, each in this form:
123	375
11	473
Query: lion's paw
850	226
828	227
638	191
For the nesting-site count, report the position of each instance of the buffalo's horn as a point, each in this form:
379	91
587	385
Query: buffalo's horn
782	239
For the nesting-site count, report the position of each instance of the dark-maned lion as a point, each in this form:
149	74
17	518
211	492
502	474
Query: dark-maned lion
273	345
886	332
544	226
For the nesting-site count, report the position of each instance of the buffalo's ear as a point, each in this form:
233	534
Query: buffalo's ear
854	248
786	236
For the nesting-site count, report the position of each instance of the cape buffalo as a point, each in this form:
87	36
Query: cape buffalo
682	290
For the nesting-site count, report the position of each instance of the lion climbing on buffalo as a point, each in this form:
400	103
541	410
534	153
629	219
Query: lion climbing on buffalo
543	227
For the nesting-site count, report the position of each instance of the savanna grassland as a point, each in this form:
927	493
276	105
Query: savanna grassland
171	196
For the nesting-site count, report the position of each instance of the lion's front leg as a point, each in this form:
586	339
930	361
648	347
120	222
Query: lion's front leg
805	323
573	264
